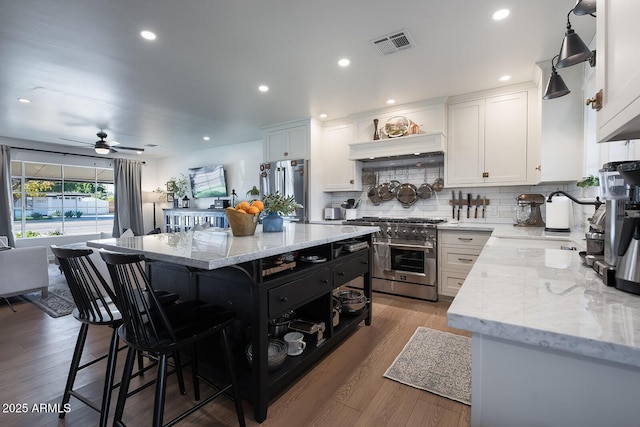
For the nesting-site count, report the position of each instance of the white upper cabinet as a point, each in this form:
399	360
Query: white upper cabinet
340	173
286	143
618	69
491	140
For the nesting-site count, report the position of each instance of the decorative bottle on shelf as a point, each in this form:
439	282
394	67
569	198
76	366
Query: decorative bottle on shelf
376	135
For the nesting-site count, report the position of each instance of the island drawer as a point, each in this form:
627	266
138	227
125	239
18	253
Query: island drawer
290	295
347	271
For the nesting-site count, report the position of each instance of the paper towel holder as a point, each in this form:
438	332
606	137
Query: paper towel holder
597	203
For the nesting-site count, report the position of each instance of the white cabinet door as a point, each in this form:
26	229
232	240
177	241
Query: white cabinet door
340	173
488	141
505	138
465	145
282	144
618	69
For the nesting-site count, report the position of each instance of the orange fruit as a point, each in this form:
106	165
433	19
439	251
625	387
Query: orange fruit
258	204
241	210
253	210
243	205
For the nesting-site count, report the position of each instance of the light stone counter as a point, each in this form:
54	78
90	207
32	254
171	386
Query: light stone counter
215	247
552	345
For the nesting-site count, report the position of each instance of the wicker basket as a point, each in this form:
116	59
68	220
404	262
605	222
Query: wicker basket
242	224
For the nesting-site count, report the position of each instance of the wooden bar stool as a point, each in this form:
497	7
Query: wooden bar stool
148	327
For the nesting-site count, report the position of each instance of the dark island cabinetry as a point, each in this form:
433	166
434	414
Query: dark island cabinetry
257	297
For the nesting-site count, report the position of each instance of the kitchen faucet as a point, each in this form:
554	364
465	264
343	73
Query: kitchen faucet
597	202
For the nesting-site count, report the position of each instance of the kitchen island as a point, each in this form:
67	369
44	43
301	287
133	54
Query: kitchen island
551	344
245	275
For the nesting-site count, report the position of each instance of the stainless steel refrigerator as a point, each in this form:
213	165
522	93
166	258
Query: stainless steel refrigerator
289	177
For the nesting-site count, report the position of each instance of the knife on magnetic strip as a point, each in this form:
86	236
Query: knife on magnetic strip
459	203
453	204
477	204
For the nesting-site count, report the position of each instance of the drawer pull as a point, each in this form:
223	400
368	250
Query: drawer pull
465	260
284	299
459	283
365	262
341	273
325	281
465	239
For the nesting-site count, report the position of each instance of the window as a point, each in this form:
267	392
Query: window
52	199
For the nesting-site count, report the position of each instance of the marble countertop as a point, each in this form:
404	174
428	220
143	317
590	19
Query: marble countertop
526	289
216	247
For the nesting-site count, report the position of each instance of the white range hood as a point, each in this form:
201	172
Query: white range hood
405	146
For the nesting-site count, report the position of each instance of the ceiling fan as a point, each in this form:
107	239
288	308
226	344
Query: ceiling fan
105	147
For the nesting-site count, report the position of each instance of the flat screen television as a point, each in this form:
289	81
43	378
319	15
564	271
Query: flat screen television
208	181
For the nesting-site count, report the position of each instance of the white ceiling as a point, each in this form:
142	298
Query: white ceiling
85	68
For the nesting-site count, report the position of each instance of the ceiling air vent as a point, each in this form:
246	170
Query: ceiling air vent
151	145
392	43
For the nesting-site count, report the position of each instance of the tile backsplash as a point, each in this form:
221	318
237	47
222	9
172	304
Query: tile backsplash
502	199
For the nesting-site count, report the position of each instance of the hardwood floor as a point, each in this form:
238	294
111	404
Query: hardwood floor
346	388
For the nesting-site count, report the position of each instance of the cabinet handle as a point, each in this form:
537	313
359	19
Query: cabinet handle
341	273
284	299
351	181
325	281
485	174
286	153
465	239
365	262
459	283
596	101
539	168
465	260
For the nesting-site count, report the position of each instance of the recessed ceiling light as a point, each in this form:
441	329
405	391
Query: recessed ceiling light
416	154
391	101
344	62
500	14
505	78
148	35
206	138
263	88
24	100
323	116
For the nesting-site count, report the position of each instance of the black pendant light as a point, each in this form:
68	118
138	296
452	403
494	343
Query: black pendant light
573	50
556	86
585	7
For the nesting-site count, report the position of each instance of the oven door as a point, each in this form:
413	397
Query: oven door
405	262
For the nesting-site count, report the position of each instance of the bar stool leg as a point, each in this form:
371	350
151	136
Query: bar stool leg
124	387
75	362
108	380
161	386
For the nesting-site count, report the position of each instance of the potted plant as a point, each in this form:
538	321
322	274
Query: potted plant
275	205
179	187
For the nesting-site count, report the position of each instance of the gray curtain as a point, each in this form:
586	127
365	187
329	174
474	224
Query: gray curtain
6	199
128	197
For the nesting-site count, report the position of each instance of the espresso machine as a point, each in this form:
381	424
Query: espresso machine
628	250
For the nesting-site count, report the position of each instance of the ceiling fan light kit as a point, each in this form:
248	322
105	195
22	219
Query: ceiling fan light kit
103	147
572	51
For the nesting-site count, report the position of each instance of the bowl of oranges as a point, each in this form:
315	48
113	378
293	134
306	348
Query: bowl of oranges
243	218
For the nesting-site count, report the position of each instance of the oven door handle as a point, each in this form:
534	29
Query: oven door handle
427	245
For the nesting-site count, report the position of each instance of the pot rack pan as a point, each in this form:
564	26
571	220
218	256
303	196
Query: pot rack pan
373	194
407	195
425	190
438	184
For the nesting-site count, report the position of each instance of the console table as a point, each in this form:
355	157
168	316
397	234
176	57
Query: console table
176	220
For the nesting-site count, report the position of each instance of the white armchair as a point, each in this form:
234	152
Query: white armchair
23	270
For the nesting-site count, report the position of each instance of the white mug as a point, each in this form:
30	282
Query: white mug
295	342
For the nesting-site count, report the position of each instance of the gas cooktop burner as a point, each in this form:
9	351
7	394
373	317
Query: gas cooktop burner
392	220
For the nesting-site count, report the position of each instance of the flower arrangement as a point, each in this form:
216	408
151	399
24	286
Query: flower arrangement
281	204
178	186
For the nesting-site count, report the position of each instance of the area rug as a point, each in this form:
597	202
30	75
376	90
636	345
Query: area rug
435	361
59	302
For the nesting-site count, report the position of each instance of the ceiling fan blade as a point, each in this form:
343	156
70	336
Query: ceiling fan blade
120	147
75	140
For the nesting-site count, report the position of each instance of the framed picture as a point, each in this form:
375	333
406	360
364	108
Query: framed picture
170	197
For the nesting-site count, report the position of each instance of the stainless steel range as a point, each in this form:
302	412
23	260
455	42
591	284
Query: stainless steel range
404	256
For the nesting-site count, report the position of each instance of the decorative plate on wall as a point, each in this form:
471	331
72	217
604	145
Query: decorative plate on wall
397	126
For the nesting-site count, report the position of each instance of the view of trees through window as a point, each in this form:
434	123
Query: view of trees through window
52	200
